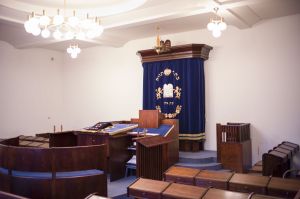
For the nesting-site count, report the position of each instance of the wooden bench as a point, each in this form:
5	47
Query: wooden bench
259	196
297	196
5	195
283	187
147	188
179	191
216	179
223	194
275	188
181	175
58	172
249	183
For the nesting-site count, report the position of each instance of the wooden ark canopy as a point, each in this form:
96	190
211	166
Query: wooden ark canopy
176	52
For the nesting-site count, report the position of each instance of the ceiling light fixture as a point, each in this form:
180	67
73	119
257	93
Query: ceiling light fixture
63	27
216	24
162	46
73	50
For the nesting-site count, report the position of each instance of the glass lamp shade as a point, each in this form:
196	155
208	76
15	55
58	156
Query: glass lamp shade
80	35
222	25
77	50
27	26
57	34
44	20
216	33
58	19
91	34
69	35
99	30
74	55
69	50
36	31
34	22
210	26
45	33
73	21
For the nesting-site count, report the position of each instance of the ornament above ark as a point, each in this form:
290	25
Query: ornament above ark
167	72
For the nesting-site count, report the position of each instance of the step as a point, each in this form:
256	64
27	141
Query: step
201	157
198	155
200	161
208	166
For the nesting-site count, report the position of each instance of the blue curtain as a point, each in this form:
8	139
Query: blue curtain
177	89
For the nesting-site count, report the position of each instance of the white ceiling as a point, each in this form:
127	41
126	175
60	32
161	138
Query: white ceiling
171	16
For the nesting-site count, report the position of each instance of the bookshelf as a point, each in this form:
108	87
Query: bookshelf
234	146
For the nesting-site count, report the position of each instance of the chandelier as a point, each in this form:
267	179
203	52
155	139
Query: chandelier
63	27
216	24
73	50
162	46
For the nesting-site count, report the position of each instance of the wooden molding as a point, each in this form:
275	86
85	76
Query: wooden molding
177	52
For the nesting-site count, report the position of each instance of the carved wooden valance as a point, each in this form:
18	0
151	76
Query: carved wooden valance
177	52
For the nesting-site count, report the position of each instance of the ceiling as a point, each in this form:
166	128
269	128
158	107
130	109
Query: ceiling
139	18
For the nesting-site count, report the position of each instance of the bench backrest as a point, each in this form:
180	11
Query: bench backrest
80	158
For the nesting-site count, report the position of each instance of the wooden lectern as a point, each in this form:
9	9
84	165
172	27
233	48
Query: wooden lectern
155	154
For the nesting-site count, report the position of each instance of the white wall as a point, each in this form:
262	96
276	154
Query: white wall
252	76
31	90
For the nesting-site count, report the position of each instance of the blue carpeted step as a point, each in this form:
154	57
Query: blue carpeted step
200	154
196	160
201	157
208	166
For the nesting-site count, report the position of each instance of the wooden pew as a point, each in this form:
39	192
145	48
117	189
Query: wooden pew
276	188
223	194
6	195
147	188
259	196
283	187
216	179
176	191
59	172
297	196
249	183
181	175
4	173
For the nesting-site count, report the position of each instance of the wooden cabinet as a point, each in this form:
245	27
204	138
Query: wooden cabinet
234	146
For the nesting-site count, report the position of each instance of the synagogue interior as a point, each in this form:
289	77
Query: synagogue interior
149	99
